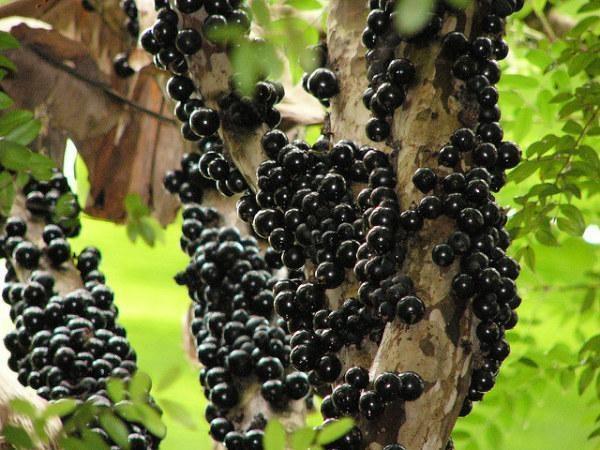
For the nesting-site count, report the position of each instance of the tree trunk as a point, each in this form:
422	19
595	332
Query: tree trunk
438	347
67	280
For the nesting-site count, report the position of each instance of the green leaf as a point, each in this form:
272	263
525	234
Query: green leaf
179	413
24	407
334	430
71	443
592	5
13	119
588	299
17	436
460	4
522	125
8	41
135	206
5	101
579	62
152	421
304	4
7	63
93	441
144	415
523	171
275	437
573	213
40	166
539	57
545	237
261	13
538	5
529	257
460	435
594	434
26	133
14	156
169	377
561	97
132	230
139	386
566	378
528	362
147	231
592	345
128	411
252	61
569	226
572	127
115	428
585	379
413	15
60	408
302	438
115	389
517	81
561	353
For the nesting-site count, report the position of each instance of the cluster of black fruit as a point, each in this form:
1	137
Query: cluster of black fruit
63	345
236	341
54	201
321	82
487	275
171	39
306	208
205	169
132	25
389	77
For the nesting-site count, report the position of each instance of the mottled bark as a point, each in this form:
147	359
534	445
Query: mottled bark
439	347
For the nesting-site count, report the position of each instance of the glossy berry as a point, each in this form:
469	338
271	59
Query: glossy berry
387	385
58	251
15	226
449	156
204	121
443	255
357	377
188	41
401	72
411	386
27	255
378	129
410	309
424	179
371	405
323	84
296	385
345	398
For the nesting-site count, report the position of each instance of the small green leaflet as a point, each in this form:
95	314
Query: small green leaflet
275	437
413	15
304	4
178	412
17	436
14	156
8	41
334	430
